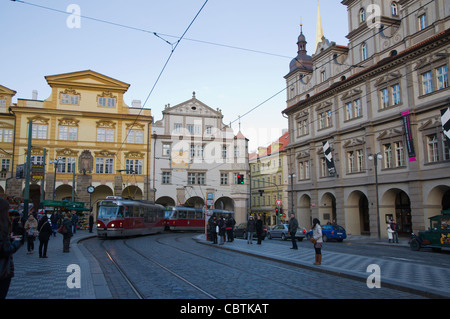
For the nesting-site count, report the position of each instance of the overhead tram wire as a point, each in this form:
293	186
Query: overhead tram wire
156	34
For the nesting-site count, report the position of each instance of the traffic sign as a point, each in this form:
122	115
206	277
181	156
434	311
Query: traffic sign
278	202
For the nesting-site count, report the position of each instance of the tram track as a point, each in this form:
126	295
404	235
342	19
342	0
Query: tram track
265	278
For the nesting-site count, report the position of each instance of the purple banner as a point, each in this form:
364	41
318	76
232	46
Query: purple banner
409	139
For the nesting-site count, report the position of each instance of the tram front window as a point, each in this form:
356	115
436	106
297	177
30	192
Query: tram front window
109	212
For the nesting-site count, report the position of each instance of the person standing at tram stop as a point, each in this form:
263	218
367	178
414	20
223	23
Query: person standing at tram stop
317	241
212	228
67	223
7	249
45	232
259	229
293	225
251	227
230	227
31	228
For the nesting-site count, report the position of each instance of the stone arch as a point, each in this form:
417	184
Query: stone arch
357	214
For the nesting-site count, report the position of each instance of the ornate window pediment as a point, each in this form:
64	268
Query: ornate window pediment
106	124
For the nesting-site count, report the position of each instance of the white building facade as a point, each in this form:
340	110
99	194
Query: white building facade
197	159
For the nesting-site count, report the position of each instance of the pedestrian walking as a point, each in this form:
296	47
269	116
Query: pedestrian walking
91	222
74	221
293	225
259	229
67	232
250	229
54	219
389	232
7	249
213	228
45	232
317	241
230	228
31	231
394	228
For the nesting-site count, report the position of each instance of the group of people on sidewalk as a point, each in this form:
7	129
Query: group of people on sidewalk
392	231
13	235
221	229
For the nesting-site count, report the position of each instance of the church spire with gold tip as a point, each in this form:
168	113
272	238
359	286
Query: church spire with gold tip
319	30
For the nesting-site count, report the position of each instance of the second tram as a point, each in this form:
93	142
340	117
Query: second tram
188	218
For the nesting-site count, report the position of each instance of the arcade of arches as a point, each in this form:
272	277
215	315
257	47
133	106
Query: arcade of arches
357	212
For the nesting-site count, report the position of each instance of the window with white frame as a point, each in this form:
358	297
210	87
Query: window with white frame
302	126
6	164
432	148
441	77
364	53
390	96
394	9
67	133
133	166
427	82
224	151
105	134
303	169
6	135
104	165
362	15
107	101
135	136
39	131
353	109
394	154
223	178
196	178
71	99
325	119
166	148
166	177
37	159
66	164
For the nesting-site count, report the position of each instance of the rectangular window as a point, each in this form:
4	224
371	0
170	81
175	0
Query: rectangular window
66	164
387	150
399	157
67	133
39	131
396	98
166	177
442	77
106	101
70	99
223	178
432	148
105	135
133	166
177	128
6	164
422	22
384	98
196	178
166	150
104	165
427	82
6	135
135	136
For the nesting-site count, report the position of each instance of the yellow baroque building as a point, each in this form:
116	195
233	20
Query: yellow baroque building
84	134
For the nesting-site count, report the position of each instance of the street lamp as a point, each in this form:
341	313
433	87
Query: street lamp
375	158
54	177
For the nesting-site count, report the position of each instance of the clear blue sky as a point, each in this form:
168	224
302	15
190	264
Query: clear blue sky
37	42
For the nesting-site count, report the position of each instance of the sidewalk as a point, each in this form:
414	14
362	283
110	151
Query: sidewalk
46	278
429	281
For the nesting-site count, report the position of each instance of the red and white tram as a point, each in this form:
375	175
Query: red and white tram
118	217
188	218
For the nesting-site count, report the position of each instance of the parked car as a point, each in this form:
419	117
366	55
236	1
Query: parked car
437	236
282	231
330	232
241	231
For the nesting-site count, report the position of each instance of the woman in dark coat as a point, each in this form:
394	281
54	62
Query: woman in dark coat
7	249
259	229
45	231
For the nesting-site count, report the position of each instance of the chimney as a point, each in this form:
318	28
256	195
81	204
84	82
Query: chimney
136	103
34	95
